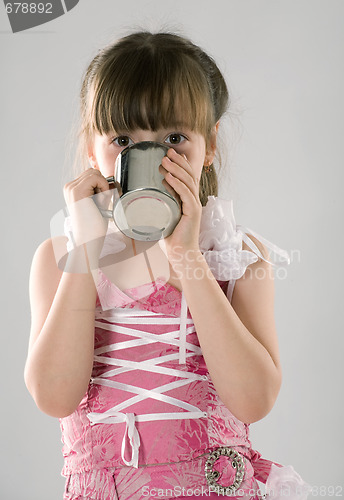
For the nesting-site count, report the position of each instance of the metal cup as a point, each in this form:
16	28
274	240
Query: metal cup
145	210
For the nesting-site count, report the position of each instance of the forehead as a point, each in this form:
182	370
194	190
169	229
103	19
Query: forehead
158	97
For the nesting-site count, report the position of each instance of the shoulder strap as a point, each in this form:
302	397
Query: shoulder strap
284	258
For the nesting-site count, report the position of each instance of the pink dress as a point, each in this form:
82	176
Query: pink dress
151	424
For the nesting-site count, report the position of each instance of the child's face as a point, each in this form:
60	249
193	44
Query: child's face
105	148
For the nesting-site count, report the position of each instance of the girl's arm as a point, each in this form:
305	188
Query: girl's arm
60	357
238	339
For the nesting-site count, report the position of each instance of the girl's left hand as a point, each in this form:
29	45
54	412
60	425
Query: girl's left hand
179	176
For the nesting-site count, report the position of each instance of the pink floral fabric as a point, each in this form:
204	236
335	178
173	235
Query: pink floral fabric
165	481
85	445
172	452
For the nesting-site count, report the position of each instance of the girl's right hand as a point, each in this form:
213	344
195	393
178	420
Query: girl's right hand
88	225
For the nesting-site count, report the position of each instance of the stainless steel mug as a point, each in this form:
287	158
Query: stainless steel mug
145	210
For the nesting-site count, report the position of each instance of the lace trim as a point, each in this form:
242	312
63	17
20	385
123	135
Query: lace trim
221	242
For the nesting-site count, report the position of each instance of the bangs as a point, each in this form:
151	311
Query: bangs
149	90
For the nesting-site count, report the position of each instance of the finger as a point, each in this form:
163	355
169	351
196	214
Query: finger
94	179
170	189
189	200
182	161
88	183
177	169
167	186
179	160
181	174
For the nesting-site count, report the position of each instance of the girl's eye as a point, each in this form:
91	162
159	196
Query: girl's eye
123	141
175	139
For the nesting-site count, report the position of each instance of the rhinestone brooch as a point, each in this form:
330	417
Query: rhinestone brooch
238	464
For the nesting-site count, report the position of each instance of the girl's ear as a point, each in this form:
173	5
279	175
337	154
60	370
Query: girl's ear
210	154
91	157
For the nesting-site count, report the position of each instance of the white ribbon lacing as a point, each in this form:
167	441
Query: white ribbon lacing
118	320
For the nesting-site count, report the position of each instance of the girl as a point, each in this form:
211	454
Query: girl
155	381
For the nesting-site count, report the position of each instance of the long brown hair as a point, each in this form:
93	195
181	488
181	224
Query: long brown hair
151	80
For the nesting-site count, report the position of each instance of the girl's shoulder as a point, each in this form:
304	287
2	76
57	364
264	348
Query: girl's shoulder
45	276
47	268
52	252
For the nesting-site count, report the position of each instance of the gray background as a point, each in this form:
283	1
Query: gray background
283	60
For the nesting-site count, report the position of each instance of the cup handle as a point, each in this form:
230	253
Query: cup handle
108	214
